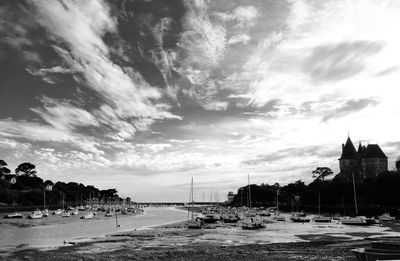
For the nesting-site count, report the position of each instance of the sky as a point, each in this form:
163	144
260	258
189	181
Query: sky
143	95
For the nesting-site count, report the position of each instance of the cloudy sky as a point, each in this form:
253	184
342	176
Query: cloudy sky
143	95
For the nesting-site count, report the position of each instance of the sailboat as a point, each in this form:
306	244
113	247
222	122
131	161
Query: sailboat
35	214
251	222
191	222
64	213
88	215
358	220
277	216
321	219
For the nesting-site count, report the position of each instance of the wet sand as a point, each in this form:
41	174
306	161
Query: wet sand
280	241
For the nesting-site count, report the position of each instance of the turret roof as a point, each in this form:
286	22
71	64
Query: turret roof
348	150
374	151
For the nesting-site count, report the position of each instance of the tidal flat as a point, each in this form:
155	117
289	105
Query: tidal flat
279	241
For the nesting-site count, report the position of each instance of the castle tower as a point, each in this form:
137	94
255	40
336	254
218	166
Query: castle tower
367	162
348	161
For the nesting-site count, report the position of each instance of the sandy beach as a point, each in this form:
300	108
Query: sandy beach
279	241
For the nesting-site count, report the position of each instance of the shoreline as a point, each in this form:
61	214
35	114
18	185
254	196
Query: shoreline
171	240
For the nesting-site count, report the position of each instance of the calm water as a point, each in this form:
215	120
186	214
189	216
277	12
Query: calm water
55	234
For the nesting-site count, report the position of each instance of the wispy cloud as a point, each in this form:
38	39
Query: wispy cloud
351	106
82	27
339	61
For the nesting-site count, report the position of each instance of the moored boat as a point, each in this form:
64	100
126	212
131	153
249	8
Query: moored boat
211	217
395	245
280	218
321	219
108	213
381	250
300	218
230	218
194	224
13	215
45	213
355	221
65	214
57	212
74	212
35	214
386	217
363	254
252	223
88	215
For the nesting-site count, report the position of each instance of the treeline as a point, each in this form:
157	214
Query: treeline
25	188
374	196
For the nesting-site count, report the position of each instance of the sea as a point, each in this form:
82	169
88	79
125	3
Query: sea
39	233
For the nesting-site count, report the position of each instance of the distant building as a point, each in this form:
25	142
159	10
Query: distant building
366	162
230	197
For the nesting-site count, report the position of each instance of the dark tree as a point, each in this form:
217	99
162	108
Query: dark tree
321	173
3	169
27	169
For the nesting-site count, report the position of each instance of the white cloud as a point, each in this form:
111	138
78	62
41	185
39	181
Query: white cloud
203	40
243	16
64	116
239	38
35	132
81	26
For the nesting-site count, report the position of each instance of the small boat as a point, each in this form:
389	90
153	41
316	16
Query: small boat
280	218
374	254
13	215
57	212
108	214
35	214
45	213
74	212
211	217
264	213
381	250
386	217
252	224
230	218
194	224
321	219
89	215
355	221
65	214
300	218
81	208
394	245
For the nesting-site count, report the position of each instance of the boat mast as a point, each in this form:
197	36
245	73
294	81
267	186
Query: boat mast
44	197
248	180
192	200
355	195
116	220
319	203
190	197
277	201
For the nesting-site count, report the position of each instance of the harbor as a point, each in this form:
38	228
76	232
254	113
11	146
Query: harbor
164	232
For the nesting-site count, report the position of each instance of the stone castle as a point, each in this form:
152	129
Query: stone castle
366	162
